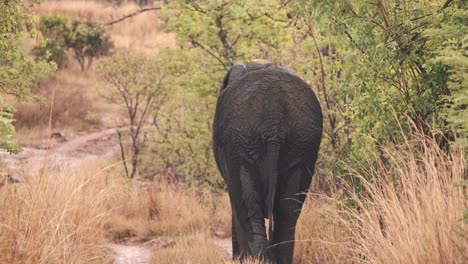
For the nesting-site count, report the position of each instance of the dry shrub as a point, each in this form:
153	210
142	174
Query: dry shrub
197	248
69	94
155	210
410	212
55	217
138	33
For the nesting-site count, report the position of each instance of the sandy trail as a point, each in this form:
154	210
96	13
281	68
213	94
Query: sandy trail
141	254
226	245
94	146
125	254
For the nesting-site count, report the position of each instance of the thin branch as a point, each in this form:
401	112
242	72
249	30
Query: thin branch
131	15
197	44
384	13
196	7
447	3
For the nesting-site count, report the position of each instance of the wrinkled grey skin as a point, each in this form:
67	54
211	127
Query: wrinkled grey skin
266	137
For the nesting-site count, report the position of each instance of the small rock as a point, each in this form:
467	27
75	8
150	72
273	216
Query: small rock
159	243
12	179
7	178
58	136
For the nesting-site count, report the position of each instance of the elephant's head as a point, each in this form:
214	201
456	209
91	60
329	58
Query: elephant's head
239	69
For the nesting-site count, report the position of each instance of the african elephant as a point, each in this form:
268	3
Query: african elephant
266	137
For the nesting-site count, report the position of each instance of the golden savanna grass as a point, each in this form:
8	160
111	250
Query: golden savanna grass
68	215
139	33
68	94
321	234
410	212
197	248
55	217
156	210
148	210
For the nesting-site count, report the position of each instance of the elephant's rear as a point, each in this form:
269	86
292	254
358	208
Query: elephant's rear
270	121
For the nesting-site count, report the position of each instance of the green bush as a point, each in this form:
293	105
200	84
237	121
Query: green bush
51	52
86	40
55	29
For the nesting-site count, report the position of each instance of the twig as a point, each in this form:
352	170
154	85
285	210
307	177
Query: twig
446	4
198	44
132	15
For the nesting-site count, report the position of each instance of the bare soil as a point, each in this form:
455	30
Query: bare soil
126	254
226	245
63	152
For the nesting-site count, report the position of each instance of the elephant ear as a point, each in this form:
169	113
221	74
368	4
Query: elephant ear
238	70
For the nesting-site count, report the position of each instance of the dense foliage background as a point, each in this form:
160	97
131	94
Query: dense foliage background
382	69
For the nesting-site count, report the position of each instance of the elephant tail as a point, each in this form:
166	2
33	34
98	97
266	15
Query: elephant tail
271	173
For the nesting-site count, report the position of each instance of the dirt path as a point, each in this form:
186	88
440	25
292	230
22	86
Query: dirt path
225	244
93	146
125	254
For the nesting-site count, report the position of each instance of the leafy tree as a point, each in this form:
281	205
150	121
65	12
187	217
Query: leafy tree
138	87
377	63
87	40
180	143
17	70
446	39
228	30
55	28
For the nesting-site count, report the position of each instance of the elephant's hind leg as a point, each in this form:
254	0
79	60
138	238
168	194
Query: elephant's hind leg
250	223
235	243
288	205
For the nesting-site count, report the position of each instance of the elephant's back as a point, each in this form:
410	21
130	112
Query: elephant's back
266	104
269	94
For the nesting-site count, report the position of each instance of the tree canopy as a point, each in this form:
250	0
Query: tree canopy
17	70
382	69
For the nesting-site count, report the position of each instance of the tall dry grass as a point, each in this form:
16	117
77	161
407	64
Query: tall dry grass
69	214
70	96
410	212
197	248
159	210
321	234
55	217
221	217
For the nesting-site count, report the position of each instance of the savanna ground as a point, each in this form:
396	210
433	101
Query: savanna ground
68	199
